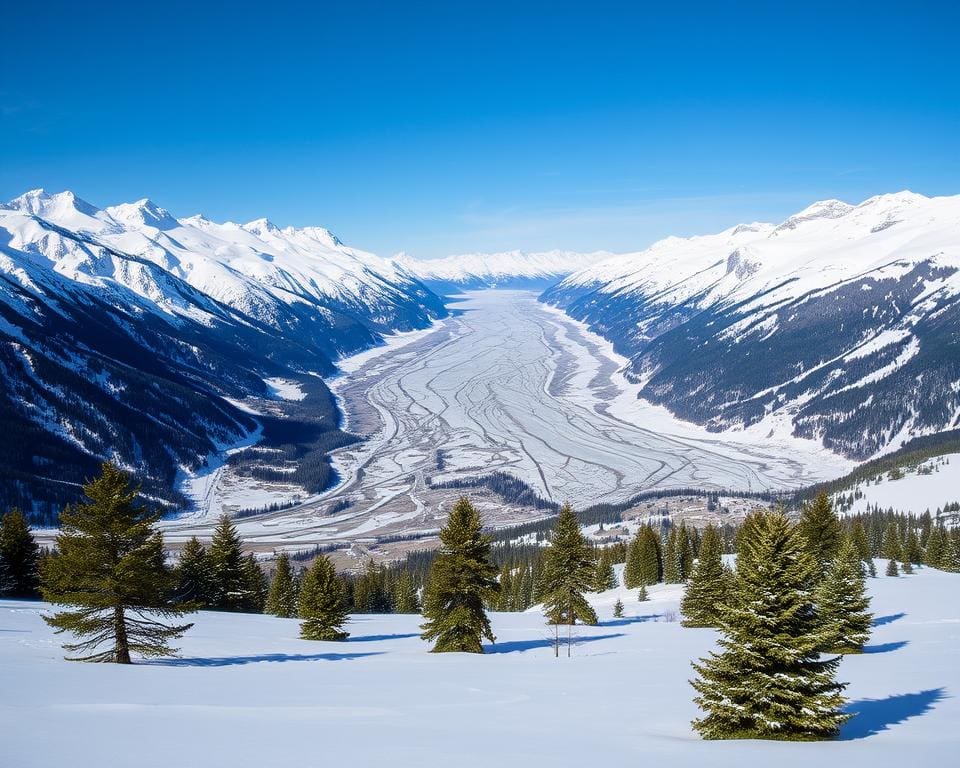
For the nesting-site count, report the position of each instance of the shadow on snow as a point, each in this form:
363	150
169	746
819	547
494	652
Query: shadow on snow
881	620
229	661
627	620
544	642
871	716
885	647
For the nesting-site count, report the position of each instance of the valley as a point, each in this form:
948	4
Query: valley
507	385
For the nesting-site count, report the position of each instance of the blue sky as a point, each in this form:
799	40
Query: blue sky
454	127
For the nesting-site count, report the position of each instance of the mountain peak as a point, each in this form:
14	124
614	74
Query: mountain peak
143	213
40	203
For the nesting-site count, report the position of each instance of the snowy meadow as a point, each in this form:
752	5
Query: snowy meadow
246	691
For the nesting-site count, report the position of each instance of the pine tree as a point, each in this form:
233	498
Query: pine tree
937	546
671	563
20	556
684	553
256	586
650	562
871	568
228	580
642	595
822	532
842	603
461	580
892	548
604	576
906	566
632	569
892	569
568	573
282	599
859	537
323	607
110	563
912	551
405	595
769	681
618	609
193	577
706	594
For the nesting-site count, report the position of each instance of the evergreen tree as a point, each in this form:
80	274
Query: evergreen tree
937	546
671	563
769	681
906	566
323	607
822	532
892	569
20	556
282	599
706	594
461	580
650	567
604	576
618	609
871	568
632	569
642	595
860	541
507	599
256	586
912	551
892	548
228	581
684	553
568	573
842	603
110	563
193	576
405	595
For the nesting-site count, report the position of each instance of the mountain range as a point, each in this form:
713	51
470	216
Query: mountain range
840	324
126	333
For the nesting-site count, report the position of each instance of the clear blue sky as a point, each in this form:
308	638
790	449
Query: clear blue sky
452	127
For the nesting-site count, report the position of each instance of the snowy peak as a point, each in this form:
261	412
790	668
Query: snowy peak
143	213
58	206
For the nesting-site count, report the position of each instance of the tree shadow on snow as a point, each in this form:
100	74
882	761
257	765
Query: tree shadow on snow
374	638
627	620
544	642
885	647
881	620
871	716
229	661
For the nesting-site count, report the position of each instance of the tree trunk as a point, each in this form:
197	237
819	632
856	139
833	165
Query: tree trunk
122	653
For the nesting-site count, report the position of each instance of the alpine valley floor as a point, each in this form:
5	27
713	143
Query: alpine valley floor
509	384
247	692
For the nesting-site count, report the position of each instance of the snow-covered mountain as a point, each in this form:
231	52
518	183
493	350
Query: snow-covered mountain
510	269
122	329
842	323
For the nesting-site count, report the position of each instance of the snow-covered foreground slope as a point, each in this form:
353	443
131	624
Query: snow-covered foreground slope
841	324
246	692
510	269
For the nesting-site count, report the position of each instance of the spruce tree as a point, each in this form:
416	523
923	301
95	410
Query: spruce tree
618	608
906	566
871	568
842	603
937	546
650	567
859	537
912	551
892	569
706	594
323	607
110	564
822	532
632	568
642	595
671	563
769	681
405	595
282	599
462	579
568	573
684	553
892	548
228	579
604	576
256	586
193	577
20	556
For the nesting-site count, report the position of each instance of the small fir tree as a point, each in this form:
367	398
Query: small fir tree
892	547
193	575
842	603
822	532
671	564
618	609
282	599
605	578
892	569
771	641
906	566
462	579
256	586
871	568
110	564
706	594
650	564
20	555
228	580
937	547
405	595
568	573
642	595
323	607
632	568
859	537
